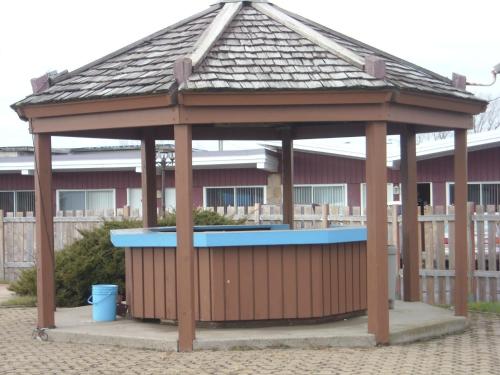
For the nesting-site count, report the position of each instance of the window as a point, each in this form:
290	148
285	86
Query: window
320	194
85	200
390	195
17	201
483	193
134	199
233	196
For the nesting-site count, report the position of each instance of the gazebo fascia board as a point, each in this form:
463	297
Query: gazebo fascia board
243	115
96	106
266	98
206	108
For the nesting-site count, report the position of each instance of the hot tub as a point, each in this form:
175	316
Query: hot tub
249	273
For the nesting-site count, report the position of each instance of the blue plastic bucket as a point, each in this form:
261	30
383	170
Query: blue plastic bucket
103	301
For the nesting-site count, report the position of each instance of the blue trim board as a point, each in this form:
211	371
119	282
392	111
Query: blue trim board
155	238
226	228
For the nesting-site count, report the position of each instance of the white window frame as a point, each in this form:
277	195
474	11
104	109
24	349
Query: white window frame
362	206
312	186
448	183
86	190
234	187
14	195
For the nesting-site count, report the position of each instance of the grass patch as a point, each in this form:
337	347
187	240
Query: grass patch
489	307
25	301
2	281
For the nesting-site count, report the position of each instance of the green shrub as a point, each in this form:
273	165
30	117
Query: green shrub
90	260
93	259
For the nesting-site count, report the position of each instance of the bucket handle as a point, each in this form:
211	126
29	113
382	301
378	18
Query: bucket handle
90	301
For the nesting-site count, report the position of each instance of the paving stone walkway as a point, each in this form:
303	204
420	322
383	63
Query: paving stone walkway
475	352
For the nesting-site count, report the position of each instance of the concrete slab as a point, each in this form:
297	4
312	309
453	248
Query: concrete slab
4	293
408	322
76	325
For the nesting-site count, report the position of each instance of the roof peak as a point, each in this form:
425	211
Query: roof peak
243	1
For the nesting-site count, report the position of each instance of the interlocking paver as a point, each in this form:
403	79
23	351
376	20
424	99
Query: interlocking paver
476	351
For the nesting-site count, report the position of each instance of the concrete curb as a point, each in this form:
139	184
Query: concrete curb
429	331
58	335
366	341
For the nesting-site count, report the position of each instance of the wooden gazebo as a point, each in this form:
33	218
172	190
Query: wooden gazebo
248	70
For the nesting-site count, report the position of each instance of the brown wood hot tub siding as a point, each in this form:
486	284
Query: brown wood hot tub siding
252	283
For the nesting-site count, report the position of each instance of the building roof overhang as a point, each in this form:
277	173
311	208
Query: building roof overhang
130	160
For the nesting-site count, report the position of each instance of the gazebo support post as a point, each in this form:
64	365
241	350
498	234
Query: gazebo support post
460	166
44	232
148	181
184	223
411	287
376	197
287	178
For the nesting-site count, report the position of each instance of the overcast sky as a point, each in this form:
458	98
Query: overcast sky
38	36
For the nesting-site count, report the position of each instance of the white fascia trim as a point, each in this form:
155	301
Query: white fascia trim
264	162
260	161
26	167
475	142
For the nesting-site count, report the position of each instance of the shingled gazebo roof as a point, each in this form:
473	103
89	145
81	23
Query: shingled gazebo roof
245	46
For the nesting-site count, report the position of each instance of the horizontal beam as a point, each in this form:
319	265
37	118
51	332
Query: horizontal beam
97	106
237	116
282	114
108	120
283	98
131	133
429	117
472	107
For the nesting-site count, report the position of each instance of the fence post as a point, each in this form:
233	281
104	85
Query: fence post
126	212
324	216
257	213
471	243
395	242
2	249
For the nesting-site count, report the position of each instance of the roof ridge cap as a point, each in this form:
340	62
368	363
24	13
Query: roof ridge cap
184	65
136	43
214	31
374	49
309	33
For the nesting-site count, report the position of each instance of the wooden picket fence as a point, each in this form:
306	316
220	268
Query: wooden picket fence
437	254
436	245
17	235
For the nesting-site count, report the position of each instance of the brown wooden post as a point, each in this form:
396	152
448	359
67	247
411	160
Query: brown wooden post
185	251
44	232
148	181
376	212
411	267
461	262
287	178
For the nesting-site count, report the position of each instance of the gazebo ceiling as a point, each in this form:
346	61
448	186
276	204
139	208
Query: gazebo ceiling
246	63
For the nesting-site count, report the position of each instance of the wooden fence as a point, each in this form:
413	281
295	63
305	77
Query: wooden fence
436	240
17	235
438	254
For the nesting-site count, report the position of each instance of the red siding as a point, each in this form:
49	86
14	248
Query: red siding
309	168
